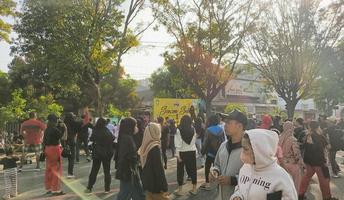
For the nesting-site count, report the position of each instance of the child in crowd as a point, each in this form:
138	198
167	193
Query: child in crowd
10	173
261	178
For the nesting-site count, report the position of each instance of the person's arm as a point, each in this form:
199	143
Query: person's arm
158	170
93	137
178	142
217	161
205	143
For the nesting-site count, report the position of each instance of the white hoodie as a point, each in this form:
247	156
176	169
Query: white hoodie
266	177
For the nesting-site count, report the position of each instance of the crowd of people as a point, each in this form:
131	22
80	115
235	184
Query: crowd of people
242	159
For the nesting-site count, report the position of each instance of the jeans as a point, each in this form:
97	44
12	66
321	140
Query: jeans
208	162
94	172
199	150
129	191
71	158
334	165
323	181
172	145
81	143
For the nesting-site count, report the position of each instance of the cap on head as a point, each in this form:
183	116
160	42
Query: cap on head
52	118
237	116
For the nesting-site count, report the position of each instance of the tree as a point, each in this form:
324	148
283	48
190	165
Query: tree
235	106
5	91
73	43
329	90
7	8
168	84
288	42
209	37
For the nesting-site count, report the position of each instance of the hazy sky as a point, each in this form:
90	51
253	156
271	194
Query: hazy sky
139	62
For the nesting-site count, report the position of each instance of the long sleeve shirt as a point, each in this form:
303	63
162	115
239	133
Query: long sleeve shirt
182	146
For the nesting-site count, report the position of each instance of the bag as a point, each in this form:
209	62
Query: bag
42	157
66	152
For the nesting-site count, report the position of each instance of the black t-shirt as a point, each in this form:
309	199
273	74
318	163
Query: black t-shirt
9	162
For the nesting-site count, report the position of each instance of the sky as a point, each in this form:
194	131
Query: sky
139	62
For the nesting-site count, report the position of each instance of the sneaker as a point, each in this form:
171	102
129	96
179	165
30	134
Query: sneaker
37	169
193	192
58	193
88	191
70	176
188	179
107	191
20	170
335	176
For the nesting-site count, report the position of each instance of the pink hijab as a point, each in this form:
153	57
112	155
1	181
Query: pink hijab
287	134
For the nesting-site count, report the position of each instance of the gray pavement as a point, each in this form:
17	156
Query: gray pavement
31	184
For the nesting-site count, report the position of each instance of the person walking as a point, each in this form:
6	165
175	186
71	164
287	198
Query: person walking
82	140
184	140
213	138
261	177
127	164
52	149
10	173
73	127
153	174
200	131
32	131
334	134
292	159
173	131
165	139
227	162
315	160
102	153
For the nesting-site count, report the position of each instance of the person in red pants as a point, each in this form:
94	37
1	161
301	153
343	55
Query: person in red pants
52	149
315	160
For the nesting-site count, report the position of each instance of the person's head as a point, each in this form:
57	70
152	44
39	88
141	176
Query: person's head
314	127
185	122
69	117
213	120
140	124
236	122
52	120
171	123
9	151
247	155
160	120
299	122
33	115
288	127
277	120
152	132
101	123
108	121
266	122
128	126
259	147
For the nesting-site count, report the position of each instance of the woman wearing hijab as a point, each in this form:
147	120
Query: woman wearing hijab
186	153
292	159
153	174
127	163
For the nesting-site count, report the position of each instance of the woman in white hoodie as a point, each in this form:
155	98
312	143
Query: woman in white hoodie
261	178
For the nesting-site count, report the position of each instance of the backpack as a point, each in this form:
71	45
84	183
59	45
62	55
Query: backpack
215	142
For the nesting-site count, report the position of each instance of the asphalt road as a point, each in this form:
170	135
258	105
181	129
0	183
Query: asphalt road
31	184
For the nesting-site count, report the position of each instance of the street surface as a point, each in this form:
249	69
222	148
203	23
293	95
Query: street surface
31	184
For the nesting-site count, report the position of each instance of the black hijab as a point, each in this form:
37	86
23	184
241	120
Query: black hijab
186	129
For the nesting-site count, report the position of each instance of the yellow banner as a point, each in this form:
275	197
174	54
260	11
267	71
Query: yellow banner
173	108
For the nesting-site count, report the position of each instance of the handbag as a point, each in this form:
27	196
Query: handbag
42	157
66	152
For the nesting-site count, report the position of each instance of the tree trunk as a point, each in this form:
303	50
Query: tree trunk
99	105
290	106
208	107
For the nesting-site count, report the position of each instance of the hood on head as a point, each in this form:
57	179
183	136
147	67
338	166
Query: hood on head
264	144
